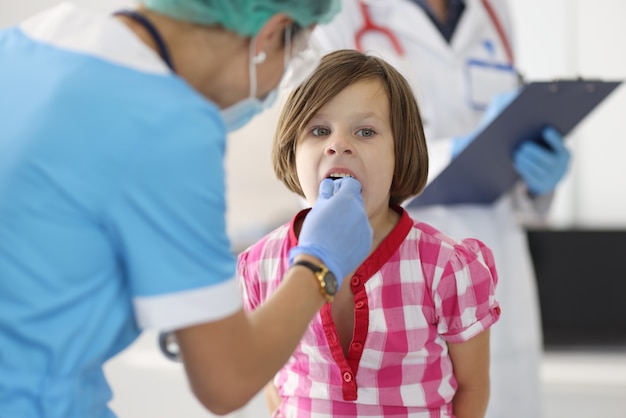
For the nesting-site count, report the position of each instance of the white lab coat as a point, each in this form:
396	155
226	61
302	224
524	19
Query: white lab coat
438	72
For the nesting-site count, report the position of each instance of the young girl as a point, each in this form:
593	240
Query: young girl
407	334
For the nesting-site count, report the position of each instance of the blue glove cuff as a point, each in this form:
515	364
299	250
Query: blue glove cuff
320	253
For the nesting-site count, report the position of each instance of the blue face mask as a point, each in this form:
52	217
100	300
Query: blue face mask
298	65
242	112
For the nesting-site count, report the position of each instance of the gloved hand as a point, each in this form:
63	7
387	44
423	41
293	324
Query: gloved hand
337	229
497	104
542	167
459	143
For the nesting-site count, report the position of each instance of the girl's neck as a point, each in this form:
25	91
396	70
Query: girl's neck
382	224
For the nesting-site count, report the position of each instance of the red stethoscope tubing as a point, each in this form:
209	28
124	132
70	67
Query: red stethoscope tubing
498	25
370	26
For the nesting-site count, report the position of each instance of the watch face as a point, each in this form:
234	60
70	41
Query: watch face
330	283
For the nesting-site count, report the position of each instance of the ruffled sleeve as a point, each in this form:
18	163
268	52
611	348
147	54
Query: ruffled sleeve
249	282
464	295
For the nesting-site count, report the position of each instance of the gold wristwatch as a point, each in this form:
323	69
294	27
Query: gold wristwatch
327	280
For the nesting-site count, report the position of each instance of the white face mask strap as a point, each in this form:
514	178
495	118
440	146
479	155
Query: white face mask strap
254	61
287	48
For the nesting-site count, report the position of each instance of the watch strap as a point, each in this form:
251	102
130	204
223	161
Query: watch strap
319	271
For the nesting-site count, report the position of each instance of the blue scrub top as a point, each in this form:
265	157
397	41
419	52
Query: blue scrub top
112	209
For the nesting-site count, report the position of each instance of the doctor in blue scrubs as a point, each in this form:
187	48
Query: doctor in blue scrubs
112	199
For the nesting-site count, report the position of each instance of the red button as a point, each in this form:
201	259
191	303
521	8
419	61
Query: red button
359	304
357	345
356	281
347	377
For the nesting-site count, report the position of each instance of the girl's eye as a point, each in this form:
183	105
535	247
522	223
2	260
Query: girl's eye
366	132
320	131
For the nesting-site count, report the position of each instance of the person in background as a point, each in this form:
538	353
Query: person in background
112	198
408	334
458	56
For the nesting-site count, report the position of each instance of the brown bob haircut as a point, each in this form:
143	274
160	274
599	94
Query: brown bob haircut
336	71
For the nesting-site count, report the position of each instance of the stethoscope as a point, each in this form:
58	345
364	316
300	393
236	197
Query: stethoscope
370	26
154	33
169	346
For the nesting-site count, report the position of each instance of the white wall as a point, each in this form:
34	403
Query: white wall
12	11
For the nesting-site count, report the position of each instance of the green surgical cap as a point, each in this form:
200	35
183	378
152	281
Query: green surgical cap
246	17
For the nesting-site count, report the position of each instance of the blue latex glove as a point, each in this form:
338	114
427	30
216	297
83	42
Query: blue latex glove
496	105
541	167
337	229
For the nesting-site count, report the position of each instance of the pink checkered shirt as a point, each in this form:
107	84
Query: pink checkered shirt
418	290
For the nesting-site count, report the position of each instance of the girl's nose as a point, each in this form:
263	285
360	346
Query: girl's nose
339	144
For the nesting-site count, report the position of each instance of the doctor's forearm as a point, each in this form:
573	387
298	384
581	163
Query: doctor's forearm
229	361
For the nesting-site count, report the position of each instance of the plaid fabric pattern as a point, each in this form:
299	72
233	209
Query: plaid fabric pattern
418	290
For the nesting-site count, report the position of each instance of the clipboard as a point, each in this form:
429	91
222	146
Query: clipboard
483	171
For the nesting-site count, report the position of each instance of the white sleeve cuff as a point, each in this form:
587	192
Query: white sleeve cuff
190	307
